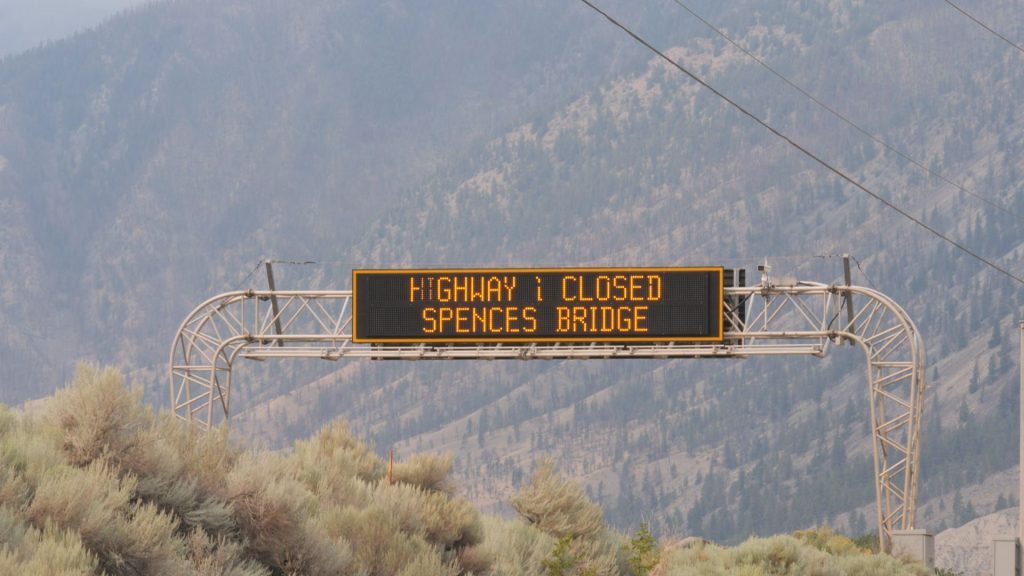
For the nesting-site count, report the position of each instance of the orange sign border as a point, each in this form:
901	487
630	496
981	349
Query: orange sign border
452	340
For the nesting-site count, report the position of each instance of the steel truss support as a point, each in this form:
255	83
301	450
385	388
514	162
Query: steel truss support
803	318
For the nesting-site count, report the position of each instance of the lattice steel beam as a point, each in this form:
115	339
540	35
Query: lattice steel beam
783	318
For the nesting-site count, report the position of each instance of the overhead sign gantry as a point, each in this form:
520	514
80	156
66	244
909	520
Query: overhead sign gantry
717	316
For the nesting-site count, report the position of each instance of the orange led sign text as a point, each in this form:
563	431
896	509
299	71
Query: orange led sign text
538	305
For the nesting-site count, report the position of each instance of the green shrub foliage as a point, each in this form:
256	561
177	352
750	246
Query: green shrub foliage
94	483
782	556
643	551
558	506
428	471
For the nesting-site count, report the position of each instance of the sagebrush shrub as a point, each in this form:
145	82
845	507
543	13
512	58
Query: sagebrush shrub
272	510
14	490
220	557
558	506
12	528
8	421
379	545
188	474
97	417
204	456
28	453
333	452
127	537
178	468
90	501
429	564
444	521
427	471
476	559
48	553
515	548
96	484
780	556
826	540
336	468
144	494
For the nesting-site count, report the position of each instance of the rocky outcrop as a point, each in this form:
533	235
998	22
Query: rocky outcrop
968	548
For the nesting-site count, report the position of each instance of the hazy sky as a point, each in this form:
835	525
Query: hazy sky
28	23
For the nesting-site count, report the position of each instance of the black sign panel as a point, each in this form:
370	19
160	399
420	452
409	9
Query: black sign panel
538	305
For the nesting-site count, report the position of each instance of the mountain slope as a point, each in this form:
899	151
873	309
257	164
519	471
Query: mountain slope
647	169
145	164
149	164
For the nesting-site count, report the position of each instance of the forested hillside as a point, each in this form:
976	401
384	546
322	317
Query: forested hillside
649	169
153	162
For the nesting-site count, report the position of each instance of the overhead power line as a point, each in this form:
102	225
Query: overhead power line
845	119
986	27
802	149
864	272
262	262
249	275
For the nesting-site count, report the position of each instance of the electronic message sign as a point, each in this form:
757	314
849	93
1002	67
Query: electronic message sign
538	305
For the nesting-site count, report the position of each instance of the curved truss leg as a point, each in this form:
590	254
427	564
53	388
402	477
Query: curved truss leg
895	372
896	384
202	357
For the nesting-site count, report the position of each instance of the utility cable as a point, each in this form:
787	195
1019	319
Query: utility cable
863	271
845	119
246	279
260	263
802	149
986	27
292	262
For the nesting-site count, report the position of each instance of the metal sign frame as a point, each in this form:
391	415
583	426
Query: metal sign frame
783	317
357	333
